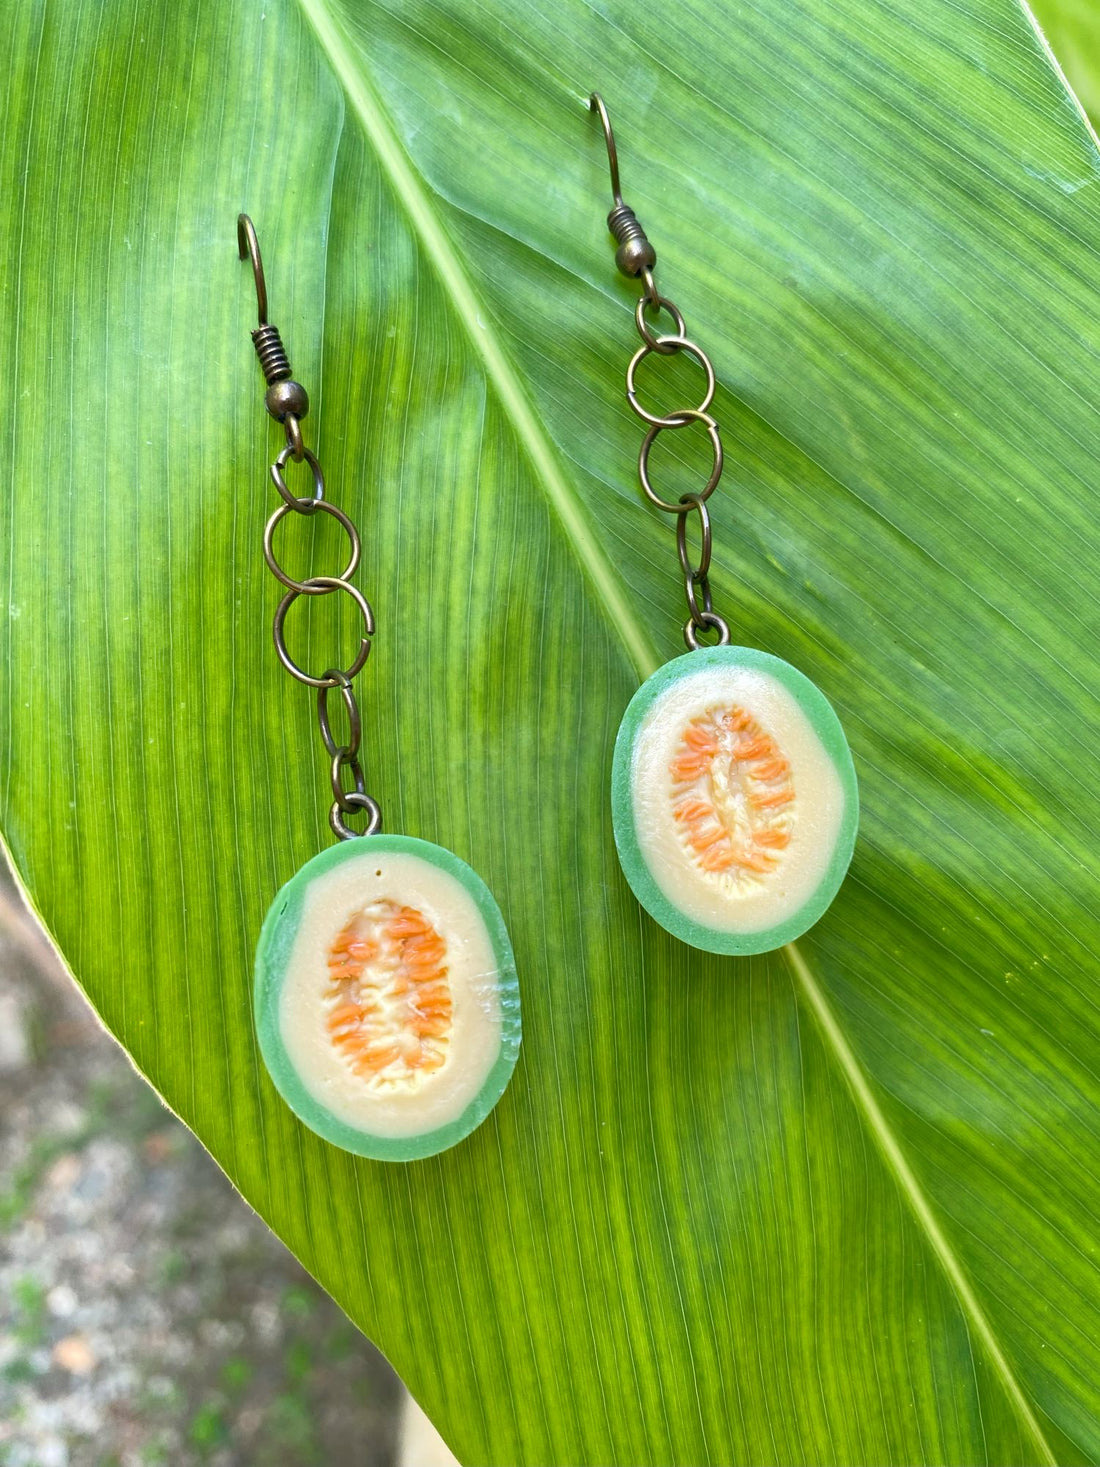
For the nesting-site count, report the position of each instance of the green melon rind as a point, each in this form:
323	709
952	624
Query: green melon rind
826	725
273	953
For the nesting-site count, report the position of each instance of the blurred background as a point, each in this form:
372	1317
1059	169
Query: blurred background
147	1315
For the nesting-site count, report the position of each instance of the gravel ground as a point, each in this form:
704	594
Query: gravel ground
146	1314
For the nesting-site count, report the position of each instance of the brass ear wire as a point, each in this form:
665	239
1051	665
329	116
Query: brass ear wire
635	255
286	400
249	248
596	104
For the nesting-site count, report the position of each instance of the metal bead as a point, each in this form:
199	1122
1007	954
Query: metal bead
282	398
635	255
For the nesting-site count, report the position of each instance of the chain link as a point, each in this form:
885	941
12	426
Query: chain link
351	707
288	402
636	257
343	756
303	505
272	560
702	618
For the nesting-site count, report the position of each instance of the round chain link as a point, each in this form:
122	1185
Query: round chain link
643	329
709	621
666	345
303	506
703	620
357	802
343	753
322	585
304	586
687	416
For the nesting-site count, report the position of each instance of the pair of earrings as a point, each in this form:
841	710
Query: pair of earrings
386	998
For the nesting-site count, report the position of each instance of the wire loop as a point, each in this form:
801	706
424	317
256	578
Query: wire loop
688	416
342	754
357	802
323	584
351	708
303	505
637	257
293	430
666	345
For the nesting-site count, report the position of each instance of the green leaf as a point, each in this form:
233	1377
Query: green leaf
1072	29
835	1205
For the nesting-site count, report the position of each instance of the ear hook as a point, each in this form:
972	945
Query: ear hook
596	104
635	255
286	400
249	248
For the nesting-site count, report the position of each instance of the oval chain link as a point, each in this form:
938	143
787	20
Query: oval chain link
702	618
343	754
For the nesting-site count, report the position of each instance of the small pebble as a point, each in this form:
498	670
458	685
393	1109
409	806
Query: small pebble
74	1354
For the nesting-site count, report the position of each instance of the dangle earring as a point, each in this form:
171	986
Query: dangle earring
386	1000
733	791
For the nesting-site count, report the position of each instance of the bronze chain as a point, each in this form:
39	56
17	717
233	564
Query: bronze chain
637	257
287	402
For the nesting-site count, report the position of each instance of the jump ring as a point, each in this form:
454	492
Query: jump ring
357	802
330	583
276	569
643	329
690	415
303	506
692	589
351	707
345	759
699	572
709	619
669	344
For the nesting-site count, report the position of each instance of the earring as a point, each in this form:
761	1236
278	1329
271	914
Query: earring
734	796
386	999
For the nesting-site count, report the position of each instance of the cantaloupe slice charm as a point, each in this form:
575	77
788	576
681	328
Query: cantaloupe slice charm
735	801
734	794
386	998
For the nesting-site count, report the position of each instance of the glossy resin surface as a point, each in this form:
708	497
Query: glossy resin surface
386	999
734	798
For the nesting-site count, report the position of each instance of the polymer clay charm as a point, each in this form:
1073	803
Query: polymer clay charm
386	998
734	800
386	1001
734	795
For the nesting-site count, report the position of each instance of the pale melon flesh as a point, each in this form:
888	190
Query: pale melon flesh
386	999
734	798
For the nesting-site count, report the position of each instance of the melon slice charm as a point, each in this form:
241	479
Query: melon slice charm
386	998
734	800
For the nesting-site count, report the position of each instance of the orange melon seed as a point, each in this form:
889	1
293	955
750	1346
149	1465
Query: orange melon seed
772	799
390	1001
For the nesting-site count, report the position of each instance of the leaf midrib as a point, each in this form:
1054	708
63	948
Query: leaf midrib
414	198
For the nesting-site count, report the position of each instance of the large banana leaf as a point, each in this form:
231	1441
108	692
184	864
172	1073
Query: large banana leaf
1072	29
835	1205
